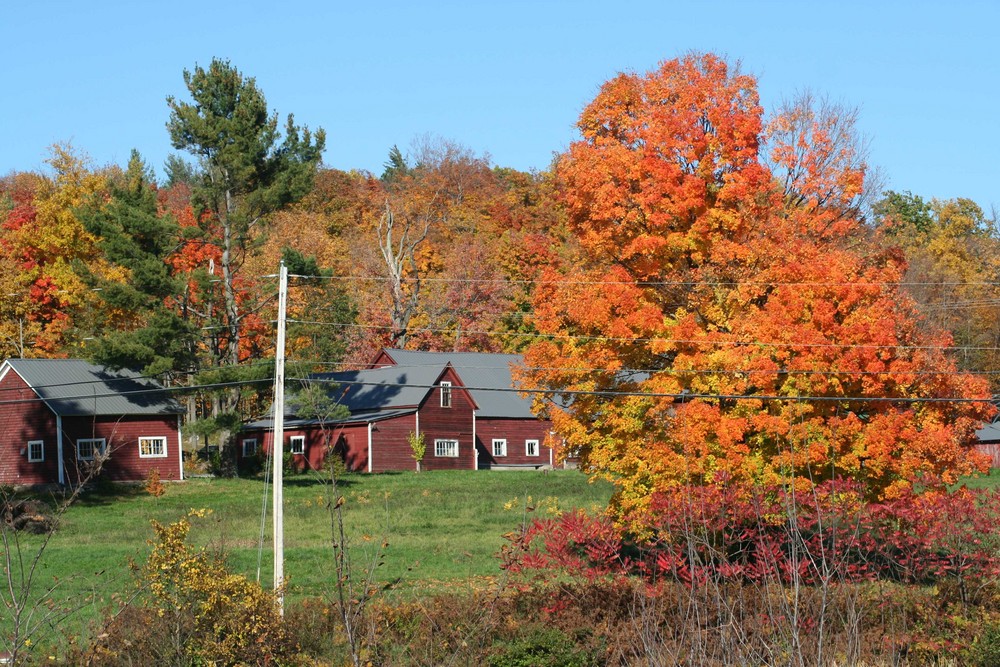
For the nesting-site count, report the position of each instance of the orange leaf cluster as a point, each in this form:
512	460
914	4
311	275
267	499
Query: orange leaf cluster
727	319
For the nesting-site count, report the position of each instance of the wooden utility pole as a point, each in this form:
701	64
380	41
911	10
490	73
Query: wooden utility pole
277	444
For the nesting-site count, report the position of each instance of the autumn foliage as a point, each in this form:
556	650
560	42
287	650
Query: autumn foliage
725	318
776	575
829	534
188	608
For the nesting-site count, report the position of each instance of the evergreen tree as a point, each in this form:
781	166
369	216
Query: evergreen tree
247	171
132	234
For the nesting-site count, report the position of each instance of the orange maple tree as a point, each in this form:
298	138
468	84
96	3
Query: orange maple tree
724	319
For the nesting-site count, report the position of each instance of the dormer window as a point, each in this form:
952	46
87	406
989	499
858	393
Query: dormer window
445	394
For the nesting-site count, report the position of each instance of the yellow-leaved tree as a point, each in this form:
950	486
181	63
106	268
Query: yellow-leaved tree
46	255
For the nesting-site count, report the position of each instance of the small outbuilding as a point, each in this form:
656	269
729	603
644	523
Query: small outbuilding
61	418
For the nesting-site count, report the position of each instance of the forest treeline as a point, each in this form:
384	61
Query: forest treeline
443	250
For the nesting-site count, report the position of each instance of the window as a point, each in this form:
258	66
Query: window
298	444
36	451
249	447
499	447
446	448
445	394
531	448
152	448
86	449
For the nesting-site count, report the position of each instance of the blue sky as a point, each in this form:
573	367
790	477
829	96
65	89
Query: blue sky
505	78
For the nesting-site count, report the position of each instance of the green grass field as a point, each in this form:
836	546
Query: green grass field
440	526
990	481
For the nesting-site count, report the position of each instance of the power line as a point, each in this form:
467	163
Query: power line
560	393
681	341
682	396
658	283
687	371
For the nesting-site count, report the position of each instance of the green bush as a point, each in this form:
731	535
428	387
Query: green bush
985	652
544	648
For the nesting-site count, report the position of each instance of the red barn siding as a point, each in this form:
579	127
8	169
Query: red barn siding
390	445
383	359
453	423
516	432
316	445
992	450
23	417
350	442
121	435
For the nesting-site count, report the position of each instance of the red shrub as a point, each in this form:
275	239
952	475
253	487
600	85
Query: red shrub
828	534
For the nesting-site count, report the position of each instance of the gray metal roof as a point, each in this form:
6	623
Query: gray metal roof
487	375
989	433
75	388
389	388
361	418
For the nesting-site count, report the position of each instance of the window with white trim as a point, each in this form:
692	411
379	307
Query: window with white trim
87	448
249	447
531	448
297	444
36	451
153	448
499	447
444	447
445	394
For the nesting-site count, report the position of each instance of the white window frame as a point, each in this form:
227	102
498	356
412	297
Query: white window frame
41	451
500	450
446	447
299	440
445	394
96	445
253	443
530	445
152	454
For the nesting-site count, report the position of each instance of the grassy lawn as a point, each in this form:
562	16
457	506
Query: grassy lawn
990	481
441	527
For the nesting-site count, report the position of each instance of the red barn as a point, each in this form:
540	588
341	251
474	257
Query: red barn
59	416
463	404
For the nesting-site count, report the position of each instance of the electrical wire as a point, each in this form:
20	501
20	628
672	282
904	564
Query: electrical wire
683	395
657	283
675	341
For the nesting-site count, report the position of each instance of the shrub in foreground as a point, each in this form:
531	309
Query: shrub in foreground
822	573
188	609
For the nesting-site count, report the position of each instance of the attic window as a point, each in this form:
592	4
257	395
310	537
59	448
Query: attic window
445	394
